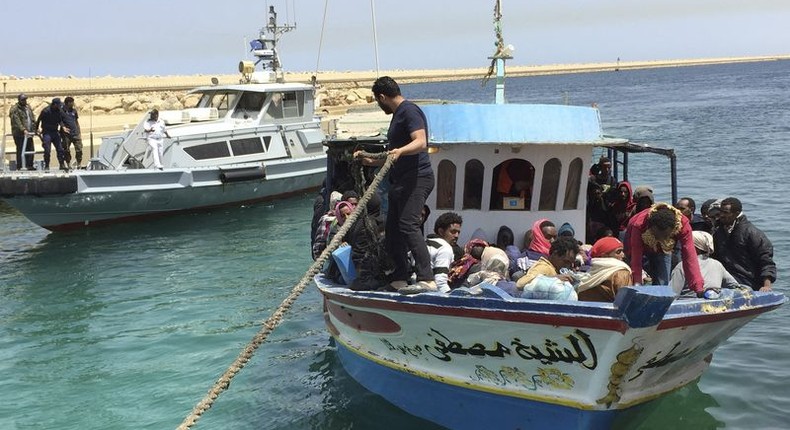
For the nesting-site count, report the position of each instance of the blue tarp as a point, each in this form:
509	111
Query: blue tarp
513	123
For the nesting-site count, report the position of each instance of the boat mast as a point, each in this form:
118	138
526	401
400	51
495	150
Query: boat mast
265	46
502	53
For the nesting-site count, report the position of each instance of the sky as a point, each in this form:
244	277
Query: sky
187	37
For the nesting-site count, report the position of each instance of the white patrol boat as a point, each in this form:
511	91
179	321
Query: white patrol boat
241	143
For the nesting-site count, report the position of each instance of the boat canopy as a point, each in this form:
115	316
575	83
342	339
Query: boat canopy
515	123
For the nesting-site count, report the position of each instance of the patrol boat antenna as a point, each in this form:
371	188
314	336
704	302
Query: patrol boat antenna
264	48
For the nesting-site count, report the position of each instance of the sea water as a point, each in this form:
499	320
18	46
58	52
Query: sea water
128	326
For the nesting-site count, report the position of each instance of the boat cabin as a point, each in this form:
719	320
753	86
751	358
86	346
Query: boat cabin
229	124
509	165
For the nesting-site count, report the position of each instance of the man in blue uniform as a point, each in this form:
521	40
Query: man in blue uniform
411	181
51	120
71	131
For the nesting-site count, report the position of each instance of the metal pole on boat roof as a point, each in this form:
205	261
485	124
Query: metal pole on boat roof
673	168
90	112
5	112
375	39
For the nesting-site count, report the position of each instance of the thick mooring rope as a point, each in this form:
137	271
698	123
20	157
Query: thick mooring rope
276	318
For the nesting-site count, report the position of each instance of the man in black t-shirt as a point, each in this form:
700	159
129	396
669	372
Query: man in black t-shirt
411	181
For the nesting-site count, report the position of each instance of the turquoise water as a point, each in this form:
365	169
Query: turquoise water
127	327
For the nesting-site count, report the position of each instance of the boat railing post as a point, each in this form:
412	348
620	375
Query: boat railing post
2	145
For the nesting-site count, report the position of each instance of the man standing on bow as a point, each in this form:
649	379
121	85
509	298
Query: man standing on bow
742	248
411	181
22	128
51	121
155	133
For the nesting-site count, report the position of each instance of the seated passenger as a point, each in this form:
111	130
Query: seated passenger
608	273
523	263
445	232
321	238
543	234
342	211
505	242
713	272
562	255
494	267
653	233
352	197
462	267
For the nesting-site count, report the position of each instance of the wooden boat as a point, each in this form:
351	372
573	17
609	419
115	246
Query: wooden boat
495	361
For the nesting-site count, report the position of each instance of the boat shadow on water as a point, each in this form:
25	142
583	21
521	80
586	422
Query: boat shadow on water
345	404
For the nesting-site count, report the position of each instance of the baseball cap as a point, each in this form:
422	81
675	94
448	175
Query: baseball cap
56	101
21	97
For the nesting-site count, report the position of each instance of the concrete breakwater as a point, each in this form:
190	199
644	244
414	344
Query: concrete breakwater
114	102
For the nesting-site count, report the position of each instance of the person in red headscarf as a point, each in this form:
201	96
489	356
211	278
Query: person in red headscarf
621	208
608	273
543	233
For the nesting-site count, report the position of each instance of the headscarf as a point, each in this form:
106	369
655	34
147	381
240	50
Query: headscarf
539	242
494	264
567	227
604	246
703	241
339	215
601	270
460	267
620	209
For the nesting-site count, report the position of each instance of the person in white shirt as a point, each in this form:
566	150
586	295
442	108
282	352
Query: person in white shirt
155	132
440	247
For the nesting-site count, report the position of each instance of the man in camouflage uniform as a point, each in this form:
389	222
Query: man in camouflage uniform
23	126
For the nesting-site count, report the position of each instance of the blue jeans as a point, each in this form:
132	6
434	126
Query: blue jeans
660	267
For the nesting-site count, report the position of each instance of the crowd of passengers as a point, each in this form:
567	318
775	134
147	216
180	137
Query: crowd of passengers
634	241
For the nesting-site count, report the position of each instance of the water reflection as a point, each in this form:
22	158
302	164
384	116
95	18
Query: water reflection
686	408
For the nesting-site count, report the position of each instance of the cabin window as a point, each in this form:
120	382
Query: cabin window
573	185
473	184
293	104
550	185
251	145
286	105
445	185
220	100
250	104
208	150
511	185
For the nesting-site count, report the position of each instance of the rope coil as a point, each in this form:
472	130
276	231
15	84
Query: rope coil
276	318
